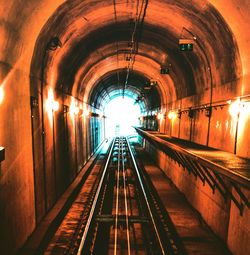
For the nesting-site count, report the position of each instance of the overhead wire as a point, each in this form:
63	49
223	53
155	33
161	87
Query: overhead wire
117	46
136	36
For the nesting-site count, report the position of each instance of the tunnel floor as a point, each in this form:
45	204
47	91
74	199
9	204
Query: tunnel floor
194	233
187	231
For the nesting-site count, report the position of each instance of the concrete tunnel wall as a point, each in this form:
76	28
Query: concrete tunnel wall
221	215
21	174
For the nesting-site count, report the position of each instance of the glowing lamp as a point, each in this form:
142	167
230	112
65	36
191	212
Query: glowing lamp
1	94
51	104
235	108
172	115
76	110
86	113
160	116
153	83
55	106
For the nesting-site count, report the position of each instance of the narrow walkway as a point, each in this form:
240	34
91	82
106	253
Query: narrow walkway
226	163
196	236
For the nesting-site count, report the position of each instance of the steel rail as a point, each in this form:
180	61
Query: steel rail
146	200
117	199
125	200
85	233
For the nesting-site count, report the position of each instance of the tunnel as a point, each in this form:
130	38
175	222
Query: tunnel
185	65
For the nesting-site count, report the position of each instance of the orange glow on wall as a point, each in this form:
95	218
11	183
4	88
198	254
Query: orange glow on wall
172	115
86	113
244	120
235	108
245	110
239	107
160	116
73	109
1	94
51	104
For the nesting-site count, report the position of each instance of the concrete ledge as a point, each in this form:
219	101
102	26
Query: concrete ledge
44	231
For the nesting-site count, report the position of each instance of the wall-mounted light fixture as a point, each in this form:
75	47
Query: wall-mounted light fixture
153	83
208	111
191	113
65	108
33	102
160	116
73	109
235	107
1	94
2	153
179	113
238	107
172	115
51	104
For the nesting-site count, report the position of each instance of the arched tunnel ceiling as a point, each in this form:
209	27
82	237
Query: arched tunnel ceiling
94	32
108	88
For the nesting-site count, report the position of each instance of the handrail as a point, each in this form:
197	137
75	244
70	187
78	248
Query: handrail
229	173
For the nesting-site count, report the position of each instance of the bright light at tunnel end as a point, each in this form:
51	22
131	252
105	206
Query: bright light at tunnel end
122	114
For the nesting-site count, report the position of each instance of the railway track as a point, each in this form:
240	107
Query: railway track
117	211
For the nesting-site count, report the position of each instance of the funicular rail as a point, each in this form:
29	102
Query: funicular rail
229	171
117	211
124	217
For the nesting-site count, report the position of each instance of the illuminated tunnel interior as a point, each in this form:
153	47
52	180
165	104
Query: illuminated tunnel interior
123	96
122	115
70	69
